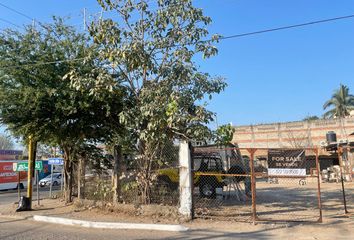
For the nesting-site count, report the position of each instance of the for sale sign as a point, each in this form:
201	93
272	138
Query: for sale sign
286	162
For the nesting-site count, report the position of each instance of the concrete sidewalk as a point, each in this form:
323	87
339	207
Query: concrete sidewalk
154	218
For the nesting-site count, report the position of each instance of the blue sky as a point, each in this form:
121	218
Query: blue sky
272	77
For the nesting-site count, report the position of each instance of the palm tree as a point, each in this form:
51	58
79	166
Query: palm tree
342	103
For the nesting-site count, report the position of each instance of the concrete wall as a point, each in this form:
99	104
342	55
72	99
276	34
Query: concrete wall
292	134
302	134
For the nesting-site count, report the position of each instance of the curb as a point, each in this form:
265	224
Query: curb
111	225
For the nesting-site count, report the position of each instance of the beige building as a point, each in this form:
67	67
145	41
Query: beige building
301	134
293	134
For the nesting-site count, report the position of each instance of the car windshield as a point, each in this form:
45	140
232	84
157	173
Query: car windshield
205	163
54	176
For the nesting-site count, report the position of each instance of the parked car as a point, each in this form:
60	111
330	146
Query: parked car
57	178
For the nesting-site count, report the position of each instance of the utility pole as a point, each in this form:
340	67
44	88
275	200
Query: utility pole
30	170
51	174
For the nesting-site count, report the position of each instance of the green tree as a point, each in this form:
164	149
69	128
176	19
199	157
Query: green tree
6	143
37	99
310	118
152	54
224	134
342	102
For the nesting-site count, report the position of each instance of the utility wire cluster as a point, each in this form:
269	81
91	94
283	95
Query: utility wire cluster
327	20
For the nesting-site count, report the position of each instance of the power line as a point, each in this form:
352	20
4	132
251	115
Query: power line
221	38
18	12
23	14
9	22
287	27
42	63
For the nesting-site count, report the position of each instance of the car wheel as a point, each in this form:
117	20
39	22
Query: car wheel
55	183
207	188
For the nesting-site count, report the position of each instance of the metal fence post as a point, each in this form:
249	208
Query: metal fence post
340	158
318	186
191	154
253	184
185	180
51	180
19	186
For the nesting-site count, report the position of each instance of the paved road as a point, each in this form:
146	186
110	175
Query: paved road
11	229
11	196
16	229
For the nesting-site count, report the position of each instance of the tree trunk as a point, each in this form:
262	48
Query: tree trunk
68	178
147	180
81	178
116	174
71	182
79	167
147	152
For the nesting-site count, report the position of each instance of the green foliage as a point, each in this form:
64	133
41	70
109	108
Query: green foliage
146	57
342	102
6	143
151	54
101	191
38	100
224	134
95	157
311	118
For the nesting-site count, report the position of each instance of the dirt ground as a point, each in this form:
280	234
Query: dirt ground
91	211
281	201
285	201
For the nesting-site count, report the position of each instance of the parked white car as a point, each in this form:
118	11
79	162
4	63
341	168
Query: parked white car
57	178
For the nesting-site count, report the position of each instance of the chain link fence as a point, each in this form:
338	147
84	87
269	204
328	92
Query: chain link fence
287	188
222	184
234	183
348	174
337	183
256	184
143	179
348	177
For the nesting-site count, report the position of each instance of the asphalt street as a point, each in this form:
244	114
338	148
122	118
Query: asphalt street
15	229
11	196
10	230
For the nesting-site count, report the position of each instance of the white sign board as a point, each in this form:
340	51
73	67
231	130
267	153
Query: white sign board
286	162
55	161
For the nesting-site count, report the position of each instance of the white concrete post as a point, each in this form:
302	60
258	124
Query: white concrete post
185	180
